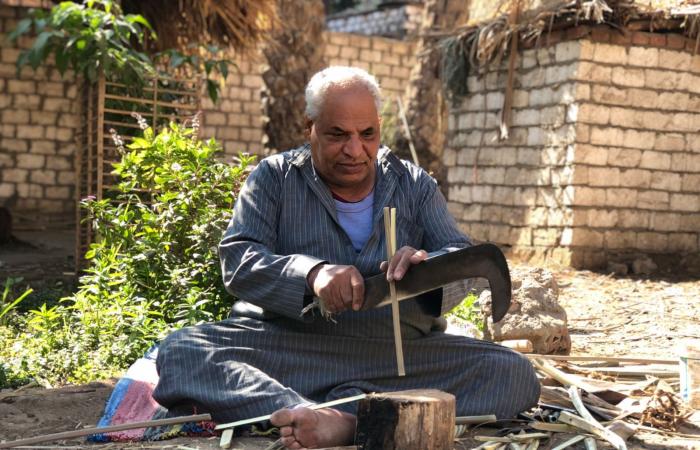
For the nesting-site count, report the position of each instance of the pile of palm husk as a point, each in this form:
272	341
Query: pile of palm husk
476	46
589	399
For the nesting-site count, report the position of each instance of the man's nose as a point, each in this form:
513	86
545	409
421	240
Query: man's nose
353	147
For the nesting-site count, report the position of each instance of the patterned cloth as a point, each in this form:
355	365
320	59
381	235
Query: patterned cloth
132	401
285	223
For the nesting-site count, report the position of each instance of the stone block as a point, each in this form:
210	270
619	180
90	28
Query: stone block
13	145
674	100
644	56
567	51
635	178
57	104
532	79
43	117
655	160
603	218
665	181
641	98
579	175
607	136
639	139
560	74
29	161
656	200
458	174
609	95
541	97
525	196
582	237
491	175
595	114
66	178
472	213
685	202
590	72
608	53
494	100
482	194
521	98
626	118
26	190
548	237
678	60
583	134
59	163
538	217
460	194
380	70
525	117
669	142
604	176
64	134
51	89
656	242
7	190
21	86
591	155
252	81
586	196
664	221
553	115
43	147
18	116
625	76
624	157
633	219
43	177
690	183
662	79
690	222
14	175
492	213
621	197
683	242
624	240
58	192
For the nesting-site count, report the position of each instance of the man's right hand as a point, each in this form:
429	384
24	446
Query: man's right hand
339	287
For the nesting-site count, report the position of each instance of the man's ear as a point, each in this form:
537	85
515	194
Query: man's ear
308	123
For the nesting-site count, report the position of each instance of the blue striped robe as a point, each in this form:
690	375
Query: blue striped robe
284	223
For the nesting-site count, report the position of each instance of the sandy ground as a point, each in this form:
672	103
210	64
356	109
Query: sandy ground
608	315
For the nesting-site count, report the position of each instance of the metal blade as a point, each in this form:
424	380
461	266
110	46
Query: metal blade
480	261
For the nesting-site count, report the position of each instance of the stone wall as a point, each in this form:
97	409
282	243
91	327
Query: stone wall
40	120
236	121
603	160
397	22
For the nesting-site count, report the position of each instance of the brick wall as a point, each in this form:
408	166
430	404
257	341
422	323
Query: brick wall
37	133
395	22
603	161
236	121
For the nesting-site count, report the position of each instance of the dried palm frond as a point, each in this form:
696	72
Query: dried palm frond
237	24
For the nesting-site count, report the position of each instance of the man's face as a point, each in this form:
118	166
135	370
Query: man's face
345	140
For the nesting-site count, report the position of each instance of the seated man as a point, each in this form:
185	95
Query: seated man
308	222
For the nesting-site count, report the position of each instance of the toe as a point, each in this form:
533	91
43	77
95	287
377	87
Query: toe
282	418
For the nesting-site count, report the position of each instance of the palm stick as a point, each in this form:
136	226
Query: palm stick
390	237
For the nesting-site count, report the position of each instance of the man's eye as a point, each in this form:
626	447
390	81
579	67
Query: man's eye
368	134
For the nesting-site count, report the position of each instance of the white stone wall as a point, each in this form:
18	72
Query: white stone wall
39	122
603	158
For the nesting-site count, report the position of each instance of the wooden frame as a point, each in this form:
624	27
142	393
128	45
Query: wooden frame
107	105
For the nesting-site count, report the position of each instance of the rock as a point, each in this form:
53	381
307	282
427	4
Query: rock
617	268
535	313
643	266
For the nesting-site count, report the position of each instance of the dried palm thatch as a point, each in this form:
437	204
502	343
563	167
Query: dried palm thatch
236	24
479	45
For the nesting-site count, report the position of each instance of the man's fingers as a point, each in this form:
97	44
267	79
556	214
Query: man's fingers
402	261
358	290
403	264
419	256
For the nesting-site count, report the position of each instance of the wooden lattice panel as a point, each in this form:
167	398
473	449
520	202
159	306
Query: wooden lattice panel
109	106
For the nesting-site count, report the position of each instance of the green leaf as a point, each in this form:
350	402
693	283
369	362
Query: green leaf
223	68
213	90
62	60
36	54
22	27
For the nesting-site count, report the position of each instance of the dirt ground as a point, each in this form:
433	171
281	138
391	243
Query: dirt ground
608	315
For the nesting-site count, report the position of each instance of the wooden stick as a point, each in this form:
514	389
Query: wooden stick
99	430
639	360
470	420
340	401
390	235
226	438
593	427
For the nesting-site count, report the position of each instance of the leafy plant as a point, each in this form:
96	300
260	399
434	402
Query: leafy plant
155	267
95	37
6	303
469	311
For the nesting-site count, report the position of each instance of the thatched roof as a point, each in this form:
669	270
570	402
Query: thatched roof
479	44
239	24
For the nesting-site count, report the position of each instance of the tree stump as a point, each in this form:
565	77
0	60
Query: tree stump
407	420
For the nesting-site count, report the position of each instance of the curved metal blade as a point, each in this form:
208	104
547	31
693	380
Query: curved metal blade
480	261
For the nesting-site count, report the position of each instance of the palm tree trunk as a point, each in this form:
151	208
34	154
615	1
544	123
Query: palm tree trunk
426	110
293	55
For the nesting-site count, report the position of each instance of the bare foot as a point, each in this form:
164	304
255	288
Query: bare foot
302	428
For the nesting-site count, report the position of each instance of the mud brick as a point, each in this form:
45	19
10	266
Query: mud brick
657	40
579	32
640	38
600	33
676	41
621	37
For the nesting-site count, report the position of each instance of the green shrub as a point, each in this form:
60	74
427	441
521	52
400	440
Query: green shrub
154	268
468	311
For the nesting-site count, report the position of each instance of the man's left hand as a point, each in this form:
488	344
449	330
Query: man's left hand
401	262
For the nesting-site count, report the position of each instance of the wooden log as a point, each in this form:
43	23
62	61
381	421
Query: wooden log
407	420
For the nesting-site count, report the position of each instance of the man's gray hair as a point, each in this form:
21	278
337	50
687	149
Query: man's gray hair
338	76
